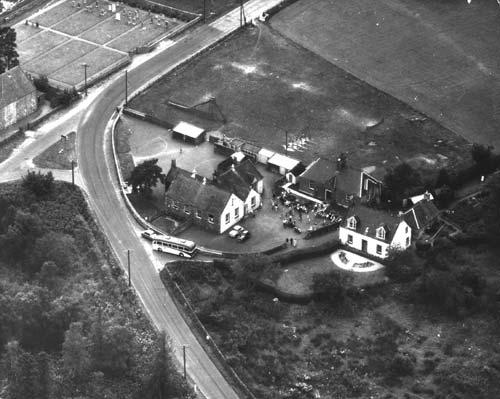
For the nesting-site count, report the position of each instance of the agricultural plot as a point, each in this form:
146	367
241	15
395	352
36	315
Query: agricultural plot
24	32
213	7
59	57
142	34
266	85
106	31
39	44
98	61
441	57
55	14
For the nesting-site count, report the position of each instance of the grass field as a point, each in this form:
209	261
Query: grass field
441	57
265	84
82	34
59	57
39	44
216	7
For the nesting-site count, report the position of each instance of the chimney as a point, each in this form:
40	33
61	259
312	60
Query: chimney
173	165
427	196
204	181
232	167
193	175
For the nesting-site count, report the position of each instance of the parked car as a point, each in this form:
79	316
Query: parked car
236	230
244	235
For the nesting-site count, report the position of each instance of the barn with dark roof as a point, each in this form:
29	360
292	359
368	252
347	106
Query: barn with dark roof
18	97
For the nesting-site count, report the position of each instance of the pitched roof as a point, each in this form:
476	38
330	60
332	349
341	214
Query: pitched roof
320	170
191	191
231	180
188	130
283	161
369	220
421	214
14	85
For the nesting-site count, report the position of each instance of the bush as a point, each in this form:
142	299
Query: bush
402	365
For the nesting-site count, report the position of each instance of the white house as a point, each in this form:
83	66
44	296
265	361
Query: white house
374	232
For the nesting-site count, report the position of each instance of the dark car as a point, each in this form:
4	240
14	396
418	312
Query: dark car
149	234
244	235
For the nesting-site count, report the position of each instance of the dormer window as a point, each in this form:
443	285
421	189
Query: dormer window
381	233
351	223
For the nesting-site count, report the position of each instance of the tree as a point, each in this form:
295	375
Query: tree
401	266
249	269
162	381
38	183
8	52
481	155
145	176
332	287
118	349
400	182
24	377
75	353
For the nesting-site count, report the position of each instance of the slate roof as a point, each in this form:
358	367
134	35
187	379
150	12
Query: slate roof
320	170
421	214
369	220
14	85
231	180
191	191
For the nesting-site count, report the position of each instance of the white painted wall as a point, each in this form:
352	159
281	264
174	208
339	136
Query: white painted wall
233	204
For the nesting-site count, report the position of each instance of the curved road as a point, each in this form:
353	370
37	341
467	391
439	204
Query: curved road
97	171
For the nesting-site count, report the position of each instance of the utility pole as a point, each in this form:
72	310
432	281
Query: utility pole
242	14
126	88
128	263
204	11
85	66
184	357
286	142
73	173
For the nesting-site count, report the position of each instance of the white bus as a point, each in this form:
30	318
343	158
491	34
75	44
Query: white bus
174	245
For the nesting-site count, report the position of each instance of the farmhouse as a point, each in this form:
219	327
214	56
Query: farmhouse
239	175
193	197
327	181
18	97
189	133
374	232
421	216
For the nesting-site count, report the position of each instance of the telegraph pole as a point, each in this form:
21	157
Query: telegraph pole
242	14
126	87
204	11
128	263
73	173
184	357
286	142
85	66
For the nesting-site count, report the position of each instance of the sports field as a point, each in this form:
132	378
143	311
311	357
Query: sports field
441	57
72	33
265	85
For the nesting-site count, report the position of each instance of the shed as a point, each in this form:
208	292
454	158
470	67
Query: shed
282	163
263	155
186	132
251	150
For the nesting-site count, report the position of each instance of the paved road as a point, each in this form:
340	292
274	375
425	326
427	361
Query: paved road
96	168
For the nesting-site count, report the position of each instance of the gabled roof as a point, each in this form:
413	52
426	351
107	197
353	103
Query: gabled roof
192	191
321	170
234	182
283	161
348	180
251	148
421	214
369	220
14	85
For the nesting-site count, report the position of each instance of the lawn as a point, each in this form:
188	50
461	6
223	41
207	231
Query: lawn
97	60
59	155
56	14
24	32
441	57
39	44
61	56
107	31
140	36
266	85
216	7
80	22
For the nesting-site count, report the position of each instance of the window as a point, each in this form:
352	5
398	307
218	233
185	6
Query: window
232	201
311	185
198	214
253	202
174	205
237	213
381	233
406	229
407	241
349	239
228	218
379	249
352	223
186	210
210	218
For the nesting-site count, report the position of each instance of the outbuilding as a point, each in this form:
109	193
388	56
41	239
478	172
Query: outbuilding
189	133
282	164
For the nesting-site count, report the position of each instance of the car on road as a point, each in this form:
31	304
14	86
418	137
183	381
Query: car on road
235	231
243	236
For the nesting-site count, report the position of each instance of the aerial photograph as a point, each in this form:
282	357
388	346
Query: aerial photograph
249	199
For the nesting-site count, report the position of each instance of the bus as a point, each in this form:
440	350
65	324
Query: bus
174	245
